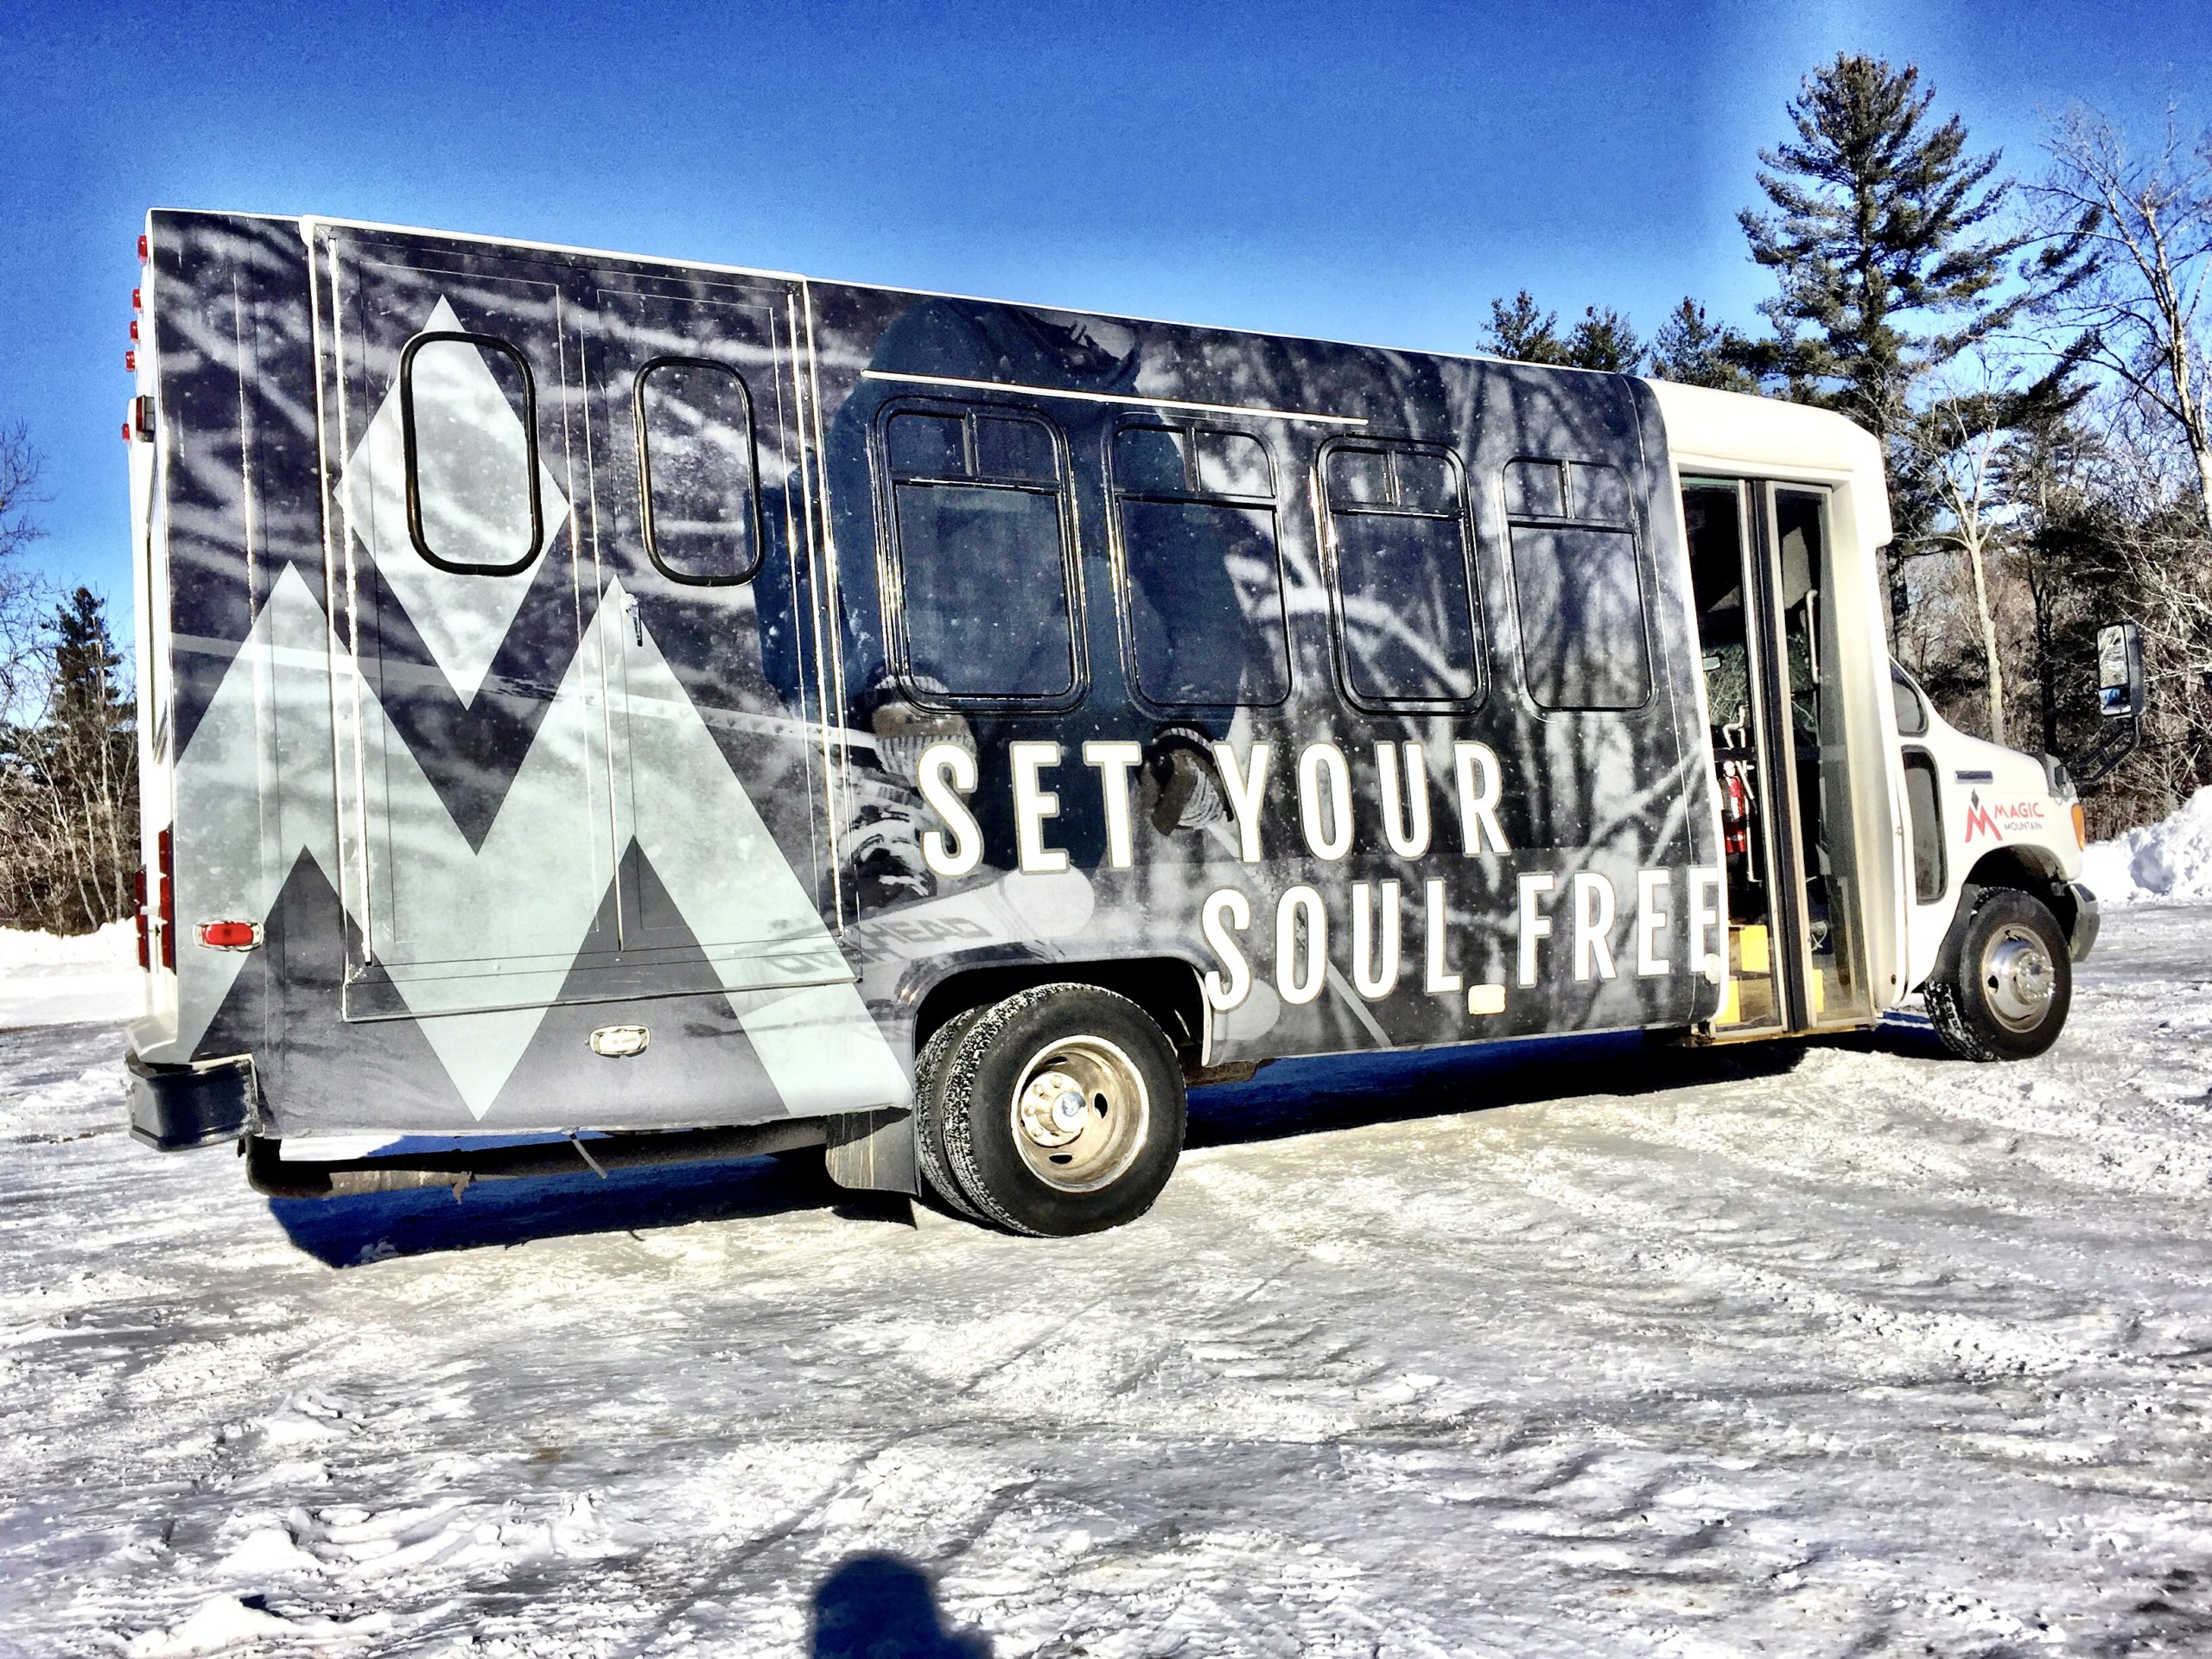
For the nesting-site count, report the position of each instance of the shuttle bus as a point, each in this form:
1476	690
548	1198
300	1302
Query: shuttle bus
603	710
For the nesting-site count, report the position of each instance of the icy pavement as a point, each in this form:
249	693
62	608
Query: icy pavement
1843	1350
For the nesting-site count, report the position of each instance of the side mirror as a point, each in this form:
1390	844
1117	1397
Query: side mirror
2120	698
2120	671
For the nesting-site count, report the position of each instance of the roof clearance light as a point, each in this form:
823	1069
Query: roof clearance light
142	250
130	362
138	299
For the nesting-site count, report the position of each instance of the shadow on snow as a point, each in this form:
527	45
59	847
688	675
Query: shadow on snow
1289	1099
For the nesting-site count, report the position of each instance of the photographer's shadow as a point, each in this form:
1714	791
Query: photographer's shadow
881	1606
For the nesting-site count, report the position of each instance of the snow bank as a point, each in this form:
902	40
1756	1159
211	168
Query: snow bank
49	980
2172	859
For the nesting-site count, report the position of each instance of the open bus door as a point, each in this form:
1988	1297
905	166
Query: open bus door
1761	566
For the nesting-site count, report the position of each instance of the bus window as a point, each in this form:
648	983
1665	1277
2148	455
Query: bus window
985	604
468	424
1576	585
1196	511
695	471
1405	600
1912	713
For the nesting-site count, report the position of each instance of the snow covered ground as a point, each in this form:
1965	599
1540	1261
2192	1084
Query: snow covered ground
49	981
2172	859
1566	1350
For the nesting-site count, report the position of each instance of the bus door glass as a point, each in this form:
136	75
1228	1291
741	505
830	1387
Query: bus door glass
1767	637
700	520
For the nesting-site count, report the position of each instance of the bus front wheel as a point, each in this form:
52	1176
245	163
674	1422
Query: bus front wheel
2005	981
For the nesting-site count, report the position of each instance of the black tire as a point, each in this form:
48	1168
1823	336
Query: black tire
1072	1061
929	1114
2005	981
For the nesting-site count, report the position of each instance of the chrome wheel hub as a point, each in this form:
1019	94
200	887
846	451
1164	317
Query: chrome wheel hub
2017	974
1080	1114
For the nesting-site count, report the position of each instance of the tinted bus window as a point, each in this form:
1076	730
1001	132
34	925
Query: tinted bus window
984	603
1577	588
469	421
1397	532
696	471
1196	512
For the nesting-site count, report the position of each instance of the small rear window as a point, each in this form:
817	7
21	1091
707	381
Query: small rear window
695	466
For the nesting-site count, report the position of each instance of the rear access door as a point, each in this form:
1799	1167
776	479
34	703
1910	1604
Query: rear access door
703	510
580	753
1762	563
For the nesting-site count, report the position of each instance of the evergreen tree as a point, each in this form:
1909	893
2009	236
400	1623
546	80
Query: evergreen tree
1880	243
1694	352
1520	331
1889	267
68	783
1603	340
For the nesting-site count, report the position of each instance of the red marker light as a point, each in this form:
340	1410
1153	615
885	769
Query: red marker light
165	913
145	930
229	936
137	300
134	328
130	362
127	431
142	250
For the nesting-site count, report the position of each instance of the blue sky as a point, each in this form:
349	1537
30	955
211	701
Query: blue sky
1368	171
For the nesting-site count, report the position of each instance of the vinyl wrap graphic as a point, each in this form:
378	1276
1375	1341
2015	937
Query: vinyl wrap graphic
547	779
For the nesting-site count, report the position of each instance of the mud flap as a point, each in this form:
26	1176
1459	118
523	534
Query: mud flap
875	1151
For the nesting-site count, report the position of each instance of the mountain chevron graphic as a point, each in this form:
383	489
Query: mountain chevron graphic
478	941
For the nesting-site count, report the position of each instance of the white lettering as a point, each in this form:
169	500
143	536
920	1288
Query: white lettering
1114	762
1296	986
1032	805
1224	910
1531	925
1244	792
1651	920
1321	757
1478	803
1439	982
1595	905
1372	982
947	771
1706	887
1405	811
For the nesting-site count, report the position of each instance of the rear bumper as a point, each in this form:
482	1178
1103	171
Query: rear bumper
174	1108
2086	922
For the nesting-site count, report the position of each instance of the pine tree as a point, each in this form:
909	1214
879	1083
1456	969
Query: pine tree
1519	330
71	782
1694	352
1522	330
1603	340
1886	267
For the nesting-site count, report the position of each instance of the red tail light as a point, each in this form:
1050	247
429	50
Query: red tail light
145	932
229	936
169	901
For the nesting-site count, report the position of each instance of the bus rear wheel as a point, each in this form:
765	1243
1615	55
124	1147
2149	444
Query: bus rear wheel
930	1073
2006	980
1063	1111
